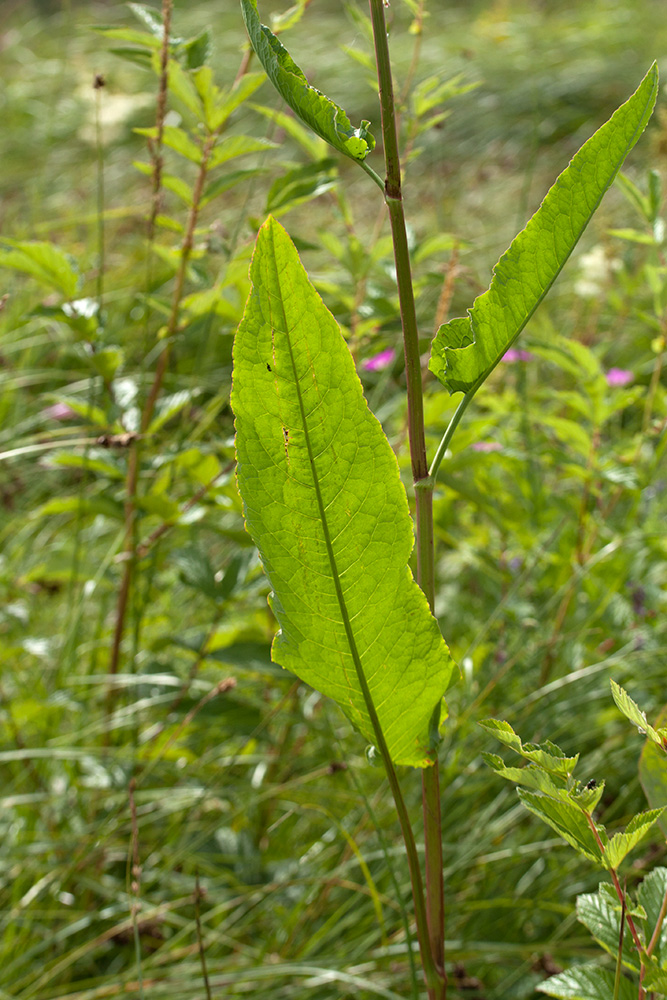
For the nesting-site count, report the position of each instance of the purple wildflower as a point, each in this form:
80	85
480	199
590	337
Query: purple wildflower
59	411
619	376
487	446
380	361
517	355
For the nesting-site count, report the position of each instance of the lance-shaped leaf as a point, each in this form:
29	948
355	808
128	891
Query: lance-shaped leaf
653	772
320	113
325	505
465	351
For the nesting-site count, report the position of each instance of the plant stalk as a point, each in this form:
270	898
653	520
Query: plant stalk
435	910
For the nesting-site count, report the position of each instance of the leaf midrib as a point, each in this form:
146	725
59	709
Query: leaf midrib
356	658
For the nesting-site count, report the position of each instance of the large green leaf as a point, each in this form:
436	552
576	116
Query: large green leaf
465	351
320	113
325	505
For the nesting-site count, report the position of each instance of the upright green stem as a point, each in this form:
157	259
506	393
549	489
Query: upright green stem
437	986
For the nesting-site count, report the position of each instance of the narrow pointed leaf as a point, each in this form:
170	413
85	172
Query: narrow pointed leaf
465	351
325	505
320	113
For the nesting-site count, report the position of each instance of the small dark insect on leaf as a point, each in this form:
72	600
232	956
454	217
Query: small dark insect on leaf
268	367
591	784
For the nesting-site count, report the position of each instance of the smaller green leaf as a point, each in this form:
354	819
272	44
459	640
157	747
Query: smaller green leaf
179	187
149	17
312	144
230	180
130	35
140	57
653	773
197	50
587	982
45	262
466	350
655	977
81	506
169	406
634	196
196	571
531	776
87	463
301	184
177	139
546	755
650	895
325	118
219	105
568	821
632	712
621	844
601	915
238	145
181	85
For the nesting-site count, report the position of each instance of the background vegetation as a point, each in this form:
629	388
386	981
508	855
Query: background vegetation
180	815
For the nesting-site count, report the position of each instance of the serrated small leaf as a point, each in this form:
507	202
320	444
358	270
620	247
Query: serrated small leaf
567	820
530	776
601	915
325	118
587	982
466	350
655	977
621	844
653	772
632	712
324	503
547	755
650	895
